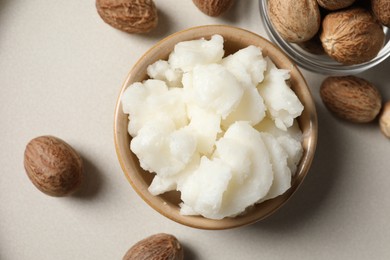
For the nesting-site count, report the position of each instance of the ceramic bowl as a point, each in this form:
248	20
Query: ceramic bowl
319	63
168	203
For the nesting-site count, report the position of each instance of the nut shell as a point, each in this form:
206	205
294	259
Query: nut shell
53	166
381	10
295	20
131	16
335	4
351	36
351	98
156	247
213	7
384	120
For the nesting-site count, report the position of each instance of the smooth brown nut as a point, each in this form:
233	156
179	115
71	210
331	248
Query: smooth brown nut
381	9
213	7
295	20
335	4
351	98
384	120
53	166
351	36
132	16
156	247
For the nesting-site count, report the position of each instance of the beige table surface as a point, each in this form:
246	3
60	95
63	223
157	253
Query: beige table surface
61	70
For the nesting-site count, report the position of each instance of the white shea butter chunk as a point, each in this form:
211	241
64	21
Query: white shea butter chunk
187	210
188	54
282	104
205	126
203	191
282	173
161	184
247	65
289	140
163	71
237	156
294	150
245	191
162	149
267	125
251	109
249	178
215	89
152	100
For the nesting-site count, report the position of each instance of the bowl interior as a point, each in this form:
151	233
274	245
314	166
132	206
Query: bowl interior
167	204
319	63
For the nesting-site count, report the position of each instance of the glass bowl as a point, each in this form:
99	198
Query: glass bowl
322	64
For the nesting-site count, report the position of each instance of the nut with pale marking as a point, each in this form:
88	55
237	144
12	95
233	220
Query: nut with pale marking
53	166
351	36
384	120
213	7
132	16
295	20
156	247
351	98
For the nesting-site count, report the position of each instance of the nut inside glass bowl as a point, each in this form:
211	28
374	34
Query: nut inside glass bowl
167	204
319	63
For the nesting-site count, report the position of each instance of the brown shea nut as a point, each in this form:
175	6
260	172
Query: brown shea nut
156	247
213	7
351	36
381	9
295	20
53	166
351	98
384	120
131	16
335	4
